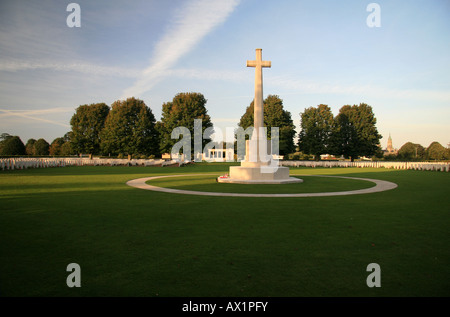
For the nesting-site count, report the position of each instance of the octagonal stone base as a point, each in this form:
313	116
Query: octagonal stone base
259	175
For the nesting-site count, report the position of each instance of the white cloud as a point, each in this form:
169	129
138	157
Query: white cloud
189	25
81	67
33	114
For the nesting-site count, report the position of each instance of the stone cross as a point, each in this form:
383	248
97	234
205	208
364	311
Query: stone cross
258	167
258	116
258	102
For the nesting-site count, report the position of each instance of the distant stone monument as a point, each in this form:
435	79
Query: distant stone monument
259	167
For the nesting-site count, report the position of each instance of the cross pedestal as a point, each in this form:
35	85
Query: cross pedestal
258	166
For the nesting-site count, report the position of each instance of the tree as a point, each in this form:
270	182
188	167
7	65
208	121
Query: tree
5	136
411	152
344	138
12	145
87	123
66	148
181	112
56	146
29	147
316	128
355	133
436	152
129	129
274	116
41	147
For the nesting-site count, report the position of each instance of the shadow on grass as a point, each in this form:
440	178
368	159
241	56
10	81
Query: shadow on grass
121	170
136	243
131	242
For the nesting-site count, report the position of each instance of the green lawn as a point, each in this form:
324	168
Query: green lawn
132	242
311	184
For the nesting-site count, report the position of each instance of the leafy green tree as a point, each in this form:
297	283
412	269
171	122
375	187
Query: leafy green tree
29	147
3	138
181	112
274	116
66	148
411	152
87	123
436	152
355	132
41	147
129	129
317	124
12	145
344	138
56	146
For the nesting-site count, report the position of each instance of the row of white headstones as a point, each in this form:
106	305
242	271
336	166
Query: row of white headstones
25	163
422	166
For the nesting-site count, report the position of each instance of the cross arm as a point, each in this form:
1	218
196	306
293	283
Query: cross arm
259	63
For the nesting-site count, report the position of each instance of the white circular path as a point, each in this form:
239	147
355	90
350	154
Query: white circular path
380	186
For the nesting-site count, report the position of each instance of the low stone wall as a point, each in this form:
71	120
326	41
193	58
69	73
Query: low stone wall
422	166
25	163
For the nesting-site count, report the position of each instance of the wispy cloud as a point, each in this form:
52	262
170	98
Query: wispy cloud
211	74
299	86
81	67
189	25
34	28
33	114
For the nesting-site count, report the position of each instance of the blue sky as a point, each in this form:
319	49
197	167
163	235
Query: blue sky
322	52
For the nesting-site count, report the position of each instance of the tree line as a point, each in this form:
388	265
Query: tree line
13	145
352	133
126	128
129	127
416	152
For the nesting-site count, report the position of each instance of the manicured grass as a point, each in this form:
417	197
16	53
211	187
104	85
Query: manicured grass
132	242
310	184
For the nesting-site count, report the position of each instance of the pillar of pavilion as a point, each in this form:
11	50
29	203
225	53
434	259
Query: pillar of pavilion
259	167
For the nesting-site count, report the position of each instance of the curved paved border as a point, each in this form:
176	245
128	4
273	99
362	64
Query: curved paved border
379	187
